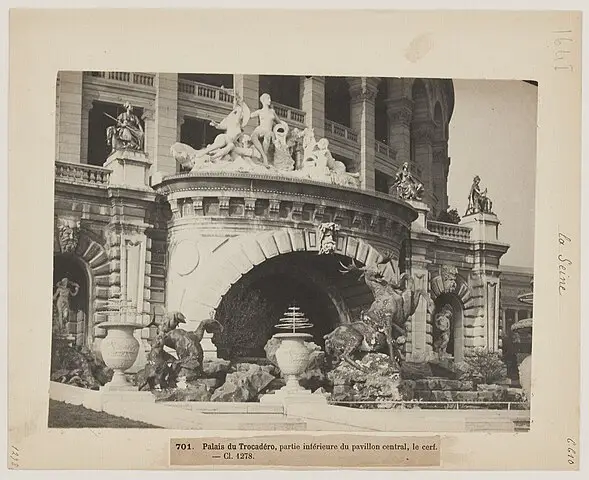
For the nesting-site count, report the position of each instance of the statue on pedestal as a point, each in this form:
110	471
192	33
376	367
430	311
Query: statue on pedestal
442	324
263	135
65	289
478	201
405	186
128	133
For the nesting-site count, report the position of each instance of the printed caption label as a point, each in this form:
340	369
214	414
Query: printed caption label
306	451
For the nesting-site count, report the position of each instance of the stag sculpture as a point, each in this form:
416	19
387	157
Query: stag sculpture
393	302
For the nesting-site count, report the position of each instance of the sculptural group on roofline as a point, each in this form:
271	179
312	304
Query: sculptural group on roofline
273	148
478	201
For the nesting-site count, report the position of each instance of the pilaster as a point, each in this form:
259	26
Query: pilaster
313	104
165	123
420	340
487	252
363	91
400	112
248	87
69	124
422	137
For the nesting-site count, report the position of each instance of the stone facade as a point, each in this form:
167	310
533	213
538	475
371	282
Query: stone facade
162	240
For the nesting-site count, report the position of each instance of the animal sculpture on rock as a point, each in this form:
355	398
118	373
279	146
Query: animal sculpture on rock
393	303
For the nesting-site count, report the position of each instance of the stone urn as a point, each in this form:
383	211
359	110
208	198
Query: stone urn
292	357
119	351
120	348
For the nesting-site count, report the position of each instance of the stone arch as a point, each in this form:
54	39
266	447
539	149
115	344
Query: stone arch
218	272
450	288
439	124
422	109
87	249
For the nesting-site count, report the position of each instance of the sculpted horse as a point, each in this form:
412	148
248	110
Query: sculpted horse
393	303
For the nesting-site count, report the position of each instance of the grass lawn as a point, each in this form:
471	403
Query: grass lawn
64	415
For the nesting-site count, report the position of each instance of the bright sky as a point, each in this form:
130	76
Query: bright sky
493	135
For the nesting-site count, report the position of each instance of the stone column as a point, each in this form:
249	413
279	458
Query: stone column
400	112
363	92
248	87
440	169
165	123
420	339
87	105
150	140
69	124
422	134
313	103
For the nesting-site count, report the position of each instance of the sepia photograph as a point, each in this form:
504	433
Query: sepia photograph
353	245
275	252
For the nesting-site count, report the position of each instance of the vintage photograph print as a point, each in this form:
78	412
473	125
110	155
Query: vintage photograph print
302	253
353	245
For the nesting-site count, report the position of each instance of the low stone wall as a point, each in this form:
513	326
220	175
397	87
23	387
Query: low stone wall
444	390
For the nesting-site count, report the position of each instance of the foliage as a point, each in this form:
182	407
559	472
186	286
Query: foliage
449	216
484	366
243	314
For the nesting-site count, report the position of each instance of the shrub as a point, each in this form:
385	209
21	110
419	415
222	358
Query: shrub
484	366
449	216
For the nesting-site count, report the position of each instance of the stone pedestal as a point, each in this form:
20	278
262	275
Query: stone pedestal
484	226
420	224
129	168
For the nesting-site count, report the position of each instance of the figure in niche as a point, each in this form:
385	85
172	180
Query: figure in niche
405	186
443	323
478	201
263	136
128	133
65	290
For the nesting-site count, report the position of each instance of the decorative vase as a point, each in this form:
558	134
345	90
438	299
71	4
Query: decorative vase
119	351
293	358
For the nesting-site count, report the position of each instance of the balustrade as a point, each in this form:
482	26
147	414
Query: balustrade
81	174
204	91
449	230
335	129
384	150
290	114
135	78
